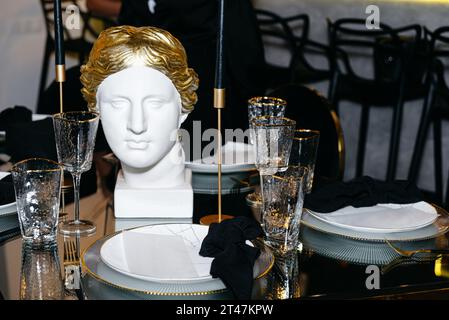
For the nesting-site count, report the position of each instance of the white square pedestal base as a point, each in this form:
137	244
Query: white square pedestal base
153	203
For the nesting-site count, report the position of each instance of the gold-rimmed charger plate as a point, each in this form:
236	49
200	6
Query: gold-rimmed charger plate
95	268
355	251
365	248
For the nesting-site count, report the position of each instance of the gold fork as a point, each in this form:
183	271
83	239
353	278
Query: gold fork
411	253
70	252
71	265
401	261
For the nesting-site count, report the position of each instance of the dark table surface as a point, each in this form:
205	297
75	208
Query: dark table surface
313	273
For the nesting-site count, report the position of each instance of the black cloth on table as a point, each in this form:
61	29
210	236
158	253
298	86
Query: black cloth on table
234	259
361	192
10	116
36	139
7	194
33	139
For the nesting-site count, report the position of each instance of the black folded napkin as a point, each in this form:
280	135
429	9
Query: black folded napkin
18	114
35	139
7	190
234	259
361	192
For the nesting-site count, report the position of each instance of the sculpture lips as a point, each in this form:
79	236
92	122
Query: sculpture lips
138	145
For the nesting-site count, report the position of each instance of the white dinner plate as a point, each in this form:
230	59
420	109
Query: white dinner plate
236	157
167	253
9	208
381	218
439	227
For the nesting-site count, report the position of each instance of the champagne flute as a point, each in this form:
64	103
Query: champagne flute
75	134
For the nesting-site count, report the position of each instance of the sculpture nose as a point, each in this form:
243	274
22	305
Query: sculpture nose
137	123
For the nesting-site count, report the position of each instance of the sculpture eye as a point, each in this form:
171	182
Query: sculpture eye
154	103
120	103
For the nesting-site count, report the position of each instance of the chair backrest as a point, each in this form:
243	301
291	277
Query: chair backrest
292	33
387	48
438	40
439	91
283	32
87	32
48	11
438	56
312	111
438	67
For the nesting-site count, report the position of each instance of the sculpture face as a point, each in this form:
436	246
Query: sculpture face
140	111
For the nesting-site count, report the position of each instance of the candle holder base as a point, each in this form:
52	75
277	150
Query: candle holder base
214	218
62	215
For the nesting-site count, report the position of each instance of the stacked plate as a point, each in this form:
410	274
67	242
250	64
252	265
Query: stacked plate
358	234
237	167
8	208
160	261
9	223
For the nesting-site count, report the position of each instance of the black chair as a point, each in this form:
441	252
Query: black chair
392	52
80	46
283	32
436	110
312	111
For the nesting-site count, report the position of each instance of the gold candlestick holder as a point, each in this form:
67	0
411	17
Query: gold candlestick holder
219	104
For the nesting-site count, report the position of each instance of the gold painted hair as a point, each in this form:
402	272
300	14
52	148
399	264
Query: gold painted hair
118	48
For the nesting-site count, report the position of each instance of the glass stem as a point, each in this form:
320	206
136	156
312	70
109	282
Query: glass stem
76	186
264	189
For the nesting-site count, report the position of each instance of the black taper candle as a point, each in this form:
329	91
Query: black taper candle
219	104
59	34
219	91
220	59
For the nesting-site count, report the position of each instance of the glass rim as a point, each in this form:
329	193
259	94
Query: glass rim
302	176
255	101
17	164
60	116
290	122
315	134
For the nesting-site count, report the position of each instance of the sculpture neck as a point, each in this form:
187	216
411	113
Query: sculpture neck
167	173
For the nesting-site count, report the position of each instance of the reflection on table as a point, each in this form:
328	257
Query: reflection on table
328	266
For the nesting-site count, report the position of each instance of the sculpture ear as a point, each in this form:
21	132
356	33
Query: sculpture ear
182	118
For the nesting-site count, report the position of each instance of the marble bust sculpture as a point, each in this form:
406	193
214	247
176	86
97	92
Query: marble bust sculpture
139	81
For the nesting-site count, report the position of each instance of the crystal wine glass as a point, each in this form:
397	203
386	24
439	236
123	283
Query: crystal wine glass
75	134
304	152
263	107
273	142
